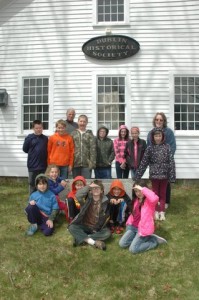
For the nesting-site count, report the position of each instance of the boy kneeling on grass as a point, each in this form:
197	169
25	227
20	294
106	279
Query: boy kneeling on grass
42	208
89	226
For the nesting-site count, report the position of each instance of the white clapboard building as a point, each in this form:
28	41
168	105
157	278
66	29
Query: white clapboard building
140	57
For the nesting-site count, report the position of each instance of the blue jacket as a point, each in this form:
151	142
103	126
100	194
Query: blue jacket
54	186
46	201
36	147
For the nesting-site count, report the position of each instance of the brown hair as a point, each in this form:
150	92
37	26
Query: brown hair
163	117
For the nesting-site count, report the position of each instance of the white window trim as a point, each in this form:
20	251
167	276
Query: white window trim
175	73
110	24
22	75
105	72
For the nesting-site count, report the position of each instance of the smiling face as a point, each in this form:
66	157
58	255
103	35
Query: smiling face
134	134
61	130
54	173
78	185
82	123
116	191
159	121
70	115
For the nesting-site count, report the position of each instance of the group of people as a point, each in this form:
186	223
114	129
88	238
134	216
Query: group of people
74	149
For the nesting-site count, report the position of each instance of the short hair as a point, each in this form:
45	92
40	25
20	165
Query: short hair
69	110
41	178
83	116
163	117
99	183
61	122
36	122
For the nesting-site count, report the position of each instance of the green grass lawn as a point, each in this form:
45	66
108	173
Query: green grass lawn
42	267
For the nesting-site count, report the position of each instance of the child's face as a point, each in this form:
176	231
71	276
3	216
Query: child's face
54	173
134	134
158	138
82	122
96	191
42	186
116	191
138	193
123	133
38	129
102	133
61	129
79	185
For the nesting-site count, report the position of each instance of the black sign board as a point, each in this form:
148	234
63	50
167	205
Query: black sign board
111	47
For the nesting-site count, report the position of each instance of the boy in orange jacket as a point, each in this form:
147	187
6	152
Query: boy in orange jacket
61	149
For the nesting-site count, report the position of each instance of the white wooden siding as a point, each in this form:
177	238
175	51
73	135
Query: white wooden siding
41	35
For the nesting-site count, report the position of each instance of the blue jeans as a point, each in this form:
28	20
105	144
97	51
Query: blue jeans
121	173
137	243
63	172
103	173
81	171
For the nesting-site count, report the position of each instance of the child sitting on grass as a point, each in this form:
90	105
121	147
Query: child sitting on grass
73	204
42	208
56	185
120	206
139	235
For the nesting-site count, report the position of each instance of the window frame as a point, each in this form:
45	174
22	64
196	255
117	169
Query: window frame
173	75
28	75
127	104
109	24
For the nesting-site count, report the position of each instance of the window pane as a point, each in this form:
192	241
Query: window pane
35	95
187	98
109	112
110	10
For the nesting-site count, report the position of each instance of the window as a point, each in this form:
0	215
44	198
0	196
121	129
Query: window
110	10
111	101
186	95
35	101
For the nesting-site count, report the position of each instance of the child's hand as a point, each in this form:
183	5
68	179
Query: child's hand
123	165
63	183
49	223
137	187
113	201
32	202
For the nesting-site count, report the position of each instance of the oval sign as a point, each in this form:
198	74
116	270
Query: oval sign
111	47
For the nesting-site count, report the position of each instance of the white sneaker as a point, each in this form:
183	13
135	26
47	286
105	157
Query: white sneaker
160	239
162	216
157	216
166	205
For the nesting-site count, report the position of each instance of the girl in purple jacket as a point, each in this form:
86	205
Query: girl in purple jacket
139	235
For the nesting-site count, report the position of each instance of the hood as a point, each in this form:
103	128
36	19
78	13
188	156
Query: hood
78	178
117	183
155	130
123	127
43	176
102	127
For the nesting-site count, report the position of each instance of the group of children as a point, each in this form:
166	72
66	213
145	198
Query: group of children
92	215
50	160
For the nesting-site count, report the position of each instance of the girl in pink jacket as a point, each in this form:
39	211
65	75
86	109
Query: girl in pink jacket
139	235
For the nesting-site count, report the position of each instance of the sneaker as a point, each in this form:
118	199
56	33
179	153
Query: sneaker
157	216
162	216
160	239
112	229
119	230
100	245
166	205
32	229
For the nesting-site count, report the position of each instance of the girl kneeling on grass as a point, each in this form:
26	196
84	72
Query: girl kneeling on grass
42	208
139	235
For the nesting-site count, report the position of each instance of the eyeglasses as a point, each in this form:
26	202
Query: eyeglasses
159	120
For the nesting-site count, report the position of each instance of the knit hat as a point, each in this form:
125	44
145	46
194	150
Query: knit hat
42	177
